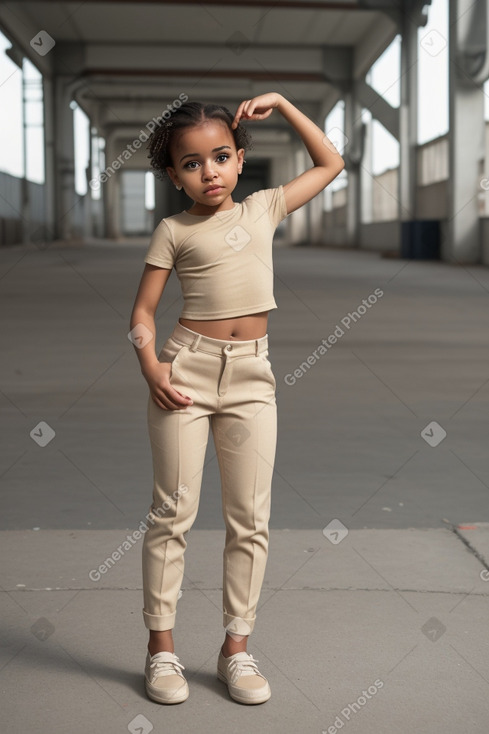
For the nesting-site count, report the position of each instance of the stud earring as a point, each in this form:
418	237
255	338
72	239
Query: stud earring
178	188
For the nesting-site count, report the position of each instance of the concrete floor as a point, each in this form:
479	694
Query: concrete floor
386	433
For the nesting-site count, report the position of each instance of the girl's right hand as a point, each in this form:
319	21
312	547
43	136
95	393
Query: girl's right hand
161	391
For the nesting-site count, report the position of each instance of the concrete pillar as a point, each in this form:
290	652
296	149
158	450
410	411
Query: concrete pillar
111	189
315	209
352	154
408	119
281	172
116	205
89	208
65	160
49	157
168	200
161	188
173	201
111	228
25	204
467	128
298	219
366	176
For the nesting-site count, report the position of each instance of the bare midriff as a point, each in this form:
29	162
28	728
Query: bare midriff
240	328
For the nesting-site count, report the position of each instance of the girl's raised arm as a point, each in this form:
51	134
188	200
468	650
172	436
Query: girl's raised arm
327	161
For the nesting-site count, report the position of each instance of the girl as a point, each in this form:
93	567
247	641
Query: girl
213	370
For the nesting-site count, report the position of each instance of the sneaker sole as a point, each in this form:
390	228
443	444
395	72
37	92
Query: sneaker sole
238	698
156	696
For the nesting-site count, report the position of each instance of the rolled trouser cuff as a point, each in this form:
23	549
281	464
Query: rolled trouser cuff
159	623
238	625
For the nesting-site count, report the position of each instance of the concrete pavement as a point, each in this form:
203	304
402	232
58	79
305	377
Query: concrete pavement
373	615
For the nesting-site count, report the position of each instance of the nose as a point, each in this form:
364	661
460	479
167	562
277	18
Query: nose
208	170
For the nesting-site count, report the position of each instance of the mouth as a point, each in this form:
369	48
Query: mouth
213	190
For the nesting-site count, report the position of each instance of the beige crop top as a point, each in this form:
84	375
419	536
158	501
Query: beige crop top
223	260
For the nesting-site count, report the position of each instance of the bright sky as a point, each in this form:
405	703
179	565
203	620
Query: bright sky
383	77
10	112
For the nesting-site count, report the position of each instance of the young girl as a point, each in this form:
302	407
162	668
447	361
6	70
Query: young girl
213	370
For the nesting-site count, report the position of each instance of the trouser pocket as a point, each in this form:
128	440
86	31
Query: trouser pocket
263	357
172	352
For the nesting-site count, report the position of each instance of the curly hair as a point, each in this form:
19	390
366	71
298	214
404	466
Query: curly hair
189	115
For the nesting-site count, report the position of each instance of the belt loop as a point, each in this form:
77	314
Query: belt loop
195	342
256	348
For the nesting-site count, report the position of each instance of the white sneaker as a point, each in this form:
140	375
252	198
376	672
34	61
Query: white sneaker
163	678
244	681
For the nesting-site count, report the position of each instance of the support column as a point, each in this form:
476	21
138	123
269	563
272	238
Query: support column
366	177
353	153
298	219
112	206
408	119
467	129
65	160
315	209
173	201
161	193
89	229
25	204
49	160
111	190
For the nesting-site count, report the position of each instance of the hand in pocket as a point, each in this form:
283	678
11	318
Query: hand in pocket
161	390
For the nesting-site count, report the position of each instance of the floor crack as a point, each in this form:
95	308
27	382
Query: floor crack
467	543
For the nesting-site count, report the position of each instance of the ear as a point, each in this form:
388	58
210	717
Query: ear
241	154
171	172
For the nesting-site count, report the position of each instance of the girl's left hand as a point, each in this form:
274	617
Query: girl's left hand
258	108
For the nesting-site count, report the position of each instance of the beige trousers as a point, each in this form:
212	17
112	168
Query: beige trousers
233	390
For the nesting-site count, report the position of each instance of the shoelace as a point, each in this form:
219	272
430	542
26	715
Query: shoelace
243	667
166	667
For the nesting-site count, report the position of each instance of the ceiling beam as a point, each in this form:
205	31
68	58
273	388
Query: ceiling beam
285	4
299	76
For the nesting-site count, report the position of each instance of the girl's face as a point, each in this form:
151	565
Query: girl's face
206	163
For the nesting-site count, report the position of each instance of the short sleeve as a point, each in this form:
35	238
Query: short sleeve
277	208
161	250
